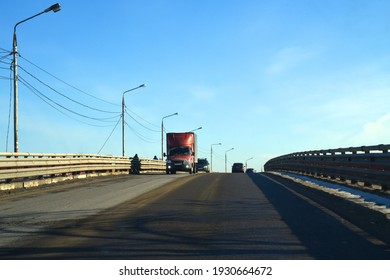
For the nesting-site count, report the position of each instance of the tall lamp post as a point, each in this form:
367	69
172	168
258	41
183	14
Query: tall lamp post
211	156
162	133
55	8
123	116
246	162
226	158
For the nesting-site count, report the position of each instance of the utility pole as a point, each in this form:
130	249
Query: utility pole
55	8
123	116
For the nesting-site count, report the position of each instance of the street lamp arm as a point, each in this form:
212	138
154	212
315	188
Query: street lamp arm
27	20
199	128
170	115
140	86
55	8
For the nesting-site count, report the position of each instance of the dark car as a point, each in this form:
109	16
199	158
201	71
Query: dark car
203	165
250	170
238	167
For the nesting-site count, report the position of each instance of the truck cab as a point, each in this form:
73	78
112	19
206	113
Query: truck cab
181	152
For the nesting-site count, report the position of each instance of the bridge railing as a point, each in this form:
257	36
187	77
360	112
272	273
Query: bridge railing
367	164
29	169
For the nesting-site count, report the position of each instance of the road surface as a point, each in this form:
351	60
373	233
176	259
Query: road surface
207	216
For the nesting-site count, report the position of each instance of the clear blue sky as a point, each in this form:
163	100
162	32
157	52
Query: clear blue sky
267	77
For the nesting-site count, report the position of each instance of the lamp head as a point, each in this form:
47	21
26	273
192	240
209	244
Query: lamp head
55	8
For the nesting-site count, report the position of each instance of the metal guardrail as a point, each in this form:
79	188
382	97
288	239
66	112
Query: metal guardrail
26	169
144	165
367	164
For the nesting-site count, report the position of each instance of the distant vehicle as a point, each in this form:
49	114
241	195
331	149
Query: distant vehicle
181	152
250	170
203	165
238	167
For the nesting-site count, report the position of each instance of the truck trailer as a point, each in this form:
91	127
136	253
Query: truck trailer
182	153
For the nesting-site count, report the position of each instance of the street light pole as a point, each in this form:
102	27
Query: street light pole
246	162
162	133
123	116
211	157
226	158
55	8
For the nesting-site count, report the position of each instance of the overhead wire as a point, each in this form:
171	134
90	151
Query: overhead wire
48	99
66	83
141	123
9	110
140	136
65	110
63	95
109	136
4	50
6	63
152	124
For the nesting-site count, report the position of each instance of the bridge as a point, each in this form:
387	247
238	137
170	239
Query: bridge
306	205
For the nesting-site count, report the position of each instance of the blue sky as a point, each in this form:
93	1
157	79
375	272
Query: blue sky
265	77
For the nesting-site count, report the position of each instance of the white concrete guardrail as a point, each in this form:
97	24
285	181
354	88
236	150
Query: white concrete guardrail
18	170
369	165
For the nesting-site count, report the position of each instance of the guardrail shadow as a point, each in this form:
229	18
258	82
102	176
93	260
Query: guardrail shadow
200	228
324	236
168	235
203	229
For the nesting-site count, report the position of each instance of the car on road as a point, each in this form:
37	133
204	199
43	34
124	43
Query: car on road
249	170
203	165
238	167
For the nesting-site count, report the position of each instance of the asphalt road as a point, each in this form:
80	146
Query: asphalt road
215	216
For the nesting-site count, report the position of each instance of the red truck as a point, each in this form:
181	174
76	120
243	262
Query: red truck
182	153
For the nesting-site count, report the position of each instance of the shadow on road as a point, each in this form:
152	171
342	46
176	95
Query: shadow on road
214	216
323	232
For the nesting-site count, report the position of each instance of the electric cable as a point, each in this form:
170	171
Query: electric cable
152	124
9	111
63	95
37	92
69	85
140	136
141	123
110	135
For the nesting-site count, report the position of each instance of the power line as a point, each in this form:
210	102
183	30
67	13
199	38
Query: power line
109	136
43	96
140	136
63	95
57	109
9	110
4	50
141	123
152	124
68	84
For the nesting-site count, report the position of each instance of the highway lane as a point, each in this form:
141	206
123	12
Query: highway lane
24	212
217	216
